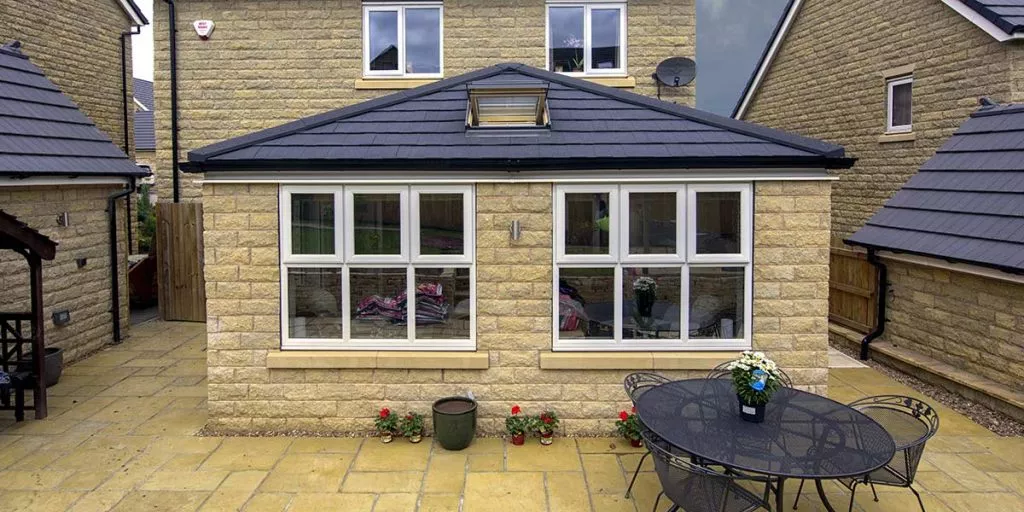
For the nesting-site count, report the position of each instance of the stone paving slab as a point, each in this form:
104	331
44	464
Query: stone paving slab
122	436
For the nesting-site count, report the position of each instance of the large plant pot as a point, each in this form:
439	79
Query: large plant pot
454	422
54	361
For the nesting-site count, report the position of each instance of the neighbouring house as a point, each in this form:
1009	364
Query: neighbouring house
279	61
145	136
515	233
60	175
892	87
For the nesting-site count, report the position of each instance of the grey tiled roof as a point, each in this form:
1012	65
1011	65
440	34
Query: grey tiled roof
592	127
142	90
145	134
966	204
42	132
1008	15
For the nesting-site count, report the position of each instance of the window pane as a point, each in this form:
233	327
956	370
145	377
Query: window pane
586	303
441	224
718	223
422	40
901	104
652	223
378	221
651	306
383	42
605	38
442	303
314	303
378	302
312	223
587	223
716	302
566	38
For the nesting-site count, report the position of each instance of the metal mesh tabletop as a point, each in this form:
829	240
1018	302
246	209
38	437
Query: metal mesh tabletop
803	435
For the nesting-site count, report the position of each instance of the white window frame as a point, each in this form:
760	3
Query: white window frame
684	259
588	6
400	8
890	84
344	259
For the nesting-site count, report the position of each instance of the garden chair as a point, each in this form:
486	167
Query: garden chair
637	384
695	488
911	423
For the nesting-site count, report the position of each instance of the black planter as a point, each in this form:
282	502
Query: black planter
454	422
645	304
54	361
751	413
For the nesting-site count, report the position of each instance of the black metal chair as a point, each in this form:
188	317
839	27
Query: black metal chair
911	423
695	488
722	371
637	384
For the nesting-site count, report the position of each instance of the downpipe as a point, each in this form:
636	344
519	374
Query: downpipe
172	35
134	31
115	281
883	295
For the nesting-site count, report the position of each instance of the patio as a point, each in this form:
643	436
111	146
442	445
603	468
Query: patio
120	436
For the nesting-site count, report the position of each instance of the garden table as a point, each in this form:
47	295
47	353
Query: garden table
803	435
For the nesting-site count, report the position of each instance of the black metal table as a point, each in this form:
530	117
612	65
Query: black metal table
804	435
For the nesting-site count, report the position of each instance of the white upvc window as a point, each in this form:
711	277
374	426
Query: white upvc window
358	262
899	104
403	39
586	38
652	267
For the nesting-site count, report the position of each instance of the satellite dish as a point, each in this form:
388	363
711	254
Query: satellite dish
676	71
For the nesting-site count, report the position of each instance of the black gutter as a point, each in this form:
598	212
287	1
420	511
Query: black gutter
115	282
172	18
883	295
134	31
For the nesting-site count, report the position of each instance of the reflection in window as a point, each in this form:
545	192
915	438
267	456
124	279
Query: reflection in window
586	303
377	223
402	40
566	39
442	303
441	224
314	303
718	223
716	302
312	224
900	104
383	40
378	303
651	303
422	40
587	219
604	29
652	223
586	39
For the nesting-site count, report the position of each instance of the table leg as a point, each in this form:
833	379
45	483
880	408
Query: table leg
821	494
779	494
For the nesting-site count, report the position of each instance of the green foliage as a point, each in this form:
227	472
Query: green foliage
755	377
546	422
516	423
628	425
411	424
386	422
146	216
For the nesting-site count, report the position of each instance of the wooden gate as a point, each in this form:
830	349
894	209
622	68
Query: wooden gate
179	253
853	290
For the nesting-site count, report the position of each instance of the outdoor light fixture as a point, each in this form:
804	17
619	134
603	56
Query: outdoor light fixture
507	102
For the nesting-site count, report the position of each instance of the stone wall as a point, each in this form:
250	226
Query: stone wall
514	323
972	322
77	44
827	82
85	292
271	61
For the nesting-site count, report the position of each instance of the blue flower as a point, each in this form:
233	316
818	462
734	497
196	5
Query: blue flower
758	385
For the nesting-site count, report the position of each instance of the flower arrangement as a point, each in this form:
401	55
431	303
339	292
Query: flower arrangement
645	290
574	42
516	424
756	378
412	427
546	423
387	424
628	426
645	284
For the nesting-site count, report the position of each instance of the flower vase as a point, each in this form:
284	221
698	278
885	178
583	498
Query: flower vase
546	438
519	439
636	443
386	437
753	413
415	438
644	303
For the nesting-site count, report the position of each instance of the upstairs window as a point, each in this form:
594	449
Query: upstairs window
899	118
403	40
586	38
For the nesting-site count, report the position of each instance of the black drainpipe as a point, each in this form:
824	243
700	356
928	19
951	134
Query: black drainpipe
115	282
883	295
172	35
134	31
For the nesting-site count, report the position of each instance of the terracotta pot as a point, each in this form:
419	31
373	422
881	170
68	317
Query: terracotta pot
518	439
415	438
546	438
636	443
386	437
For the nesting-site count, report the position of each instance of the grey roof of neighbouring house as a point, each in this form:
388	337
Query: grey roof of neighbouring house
592	127
42	132
145	134
966	204
1008	15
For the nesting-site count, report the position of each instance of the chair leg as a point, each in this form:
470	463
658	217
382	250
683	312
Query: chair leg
636	473
919	502
19	402
799	490
873	491
656	500
853	493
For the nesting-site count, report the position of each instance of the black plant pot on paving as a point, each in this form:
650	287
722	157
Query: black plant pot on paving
54	361
454	422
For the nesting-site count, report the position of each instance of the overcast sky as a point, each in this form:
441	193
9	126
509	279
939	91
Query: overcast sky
731	35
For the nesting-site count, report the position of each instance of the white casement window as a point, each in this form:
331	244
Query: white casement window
403	39
899	93
358	262
652	267
586	38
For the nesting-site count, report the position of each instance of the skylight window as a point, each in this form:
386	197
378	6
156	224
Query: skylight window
507	105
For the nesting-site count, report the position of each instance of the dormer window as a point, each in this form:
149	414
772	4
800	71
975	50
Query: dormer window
402	40
586	38
507	104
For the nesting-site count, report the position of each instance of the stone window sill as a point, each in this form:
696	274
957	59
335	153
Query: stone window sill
393	83
634	360
896	137
613	81
378	359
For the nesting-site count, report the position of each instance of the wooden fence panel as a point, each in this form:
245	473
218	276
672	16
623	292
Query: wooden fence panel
179	252
853	290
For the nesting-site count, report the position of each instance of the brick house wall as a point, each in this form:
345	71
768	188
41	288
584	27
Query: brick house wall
77	43
269	62
827	82
85	292
514	322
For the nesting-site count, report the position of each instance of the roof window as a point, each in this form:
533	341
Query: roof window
515	103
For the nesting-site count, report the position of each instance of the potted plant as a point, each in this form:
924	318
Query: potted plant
629	427
454	422
755	378
546	424
387	424
644	290
516	424
412	427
